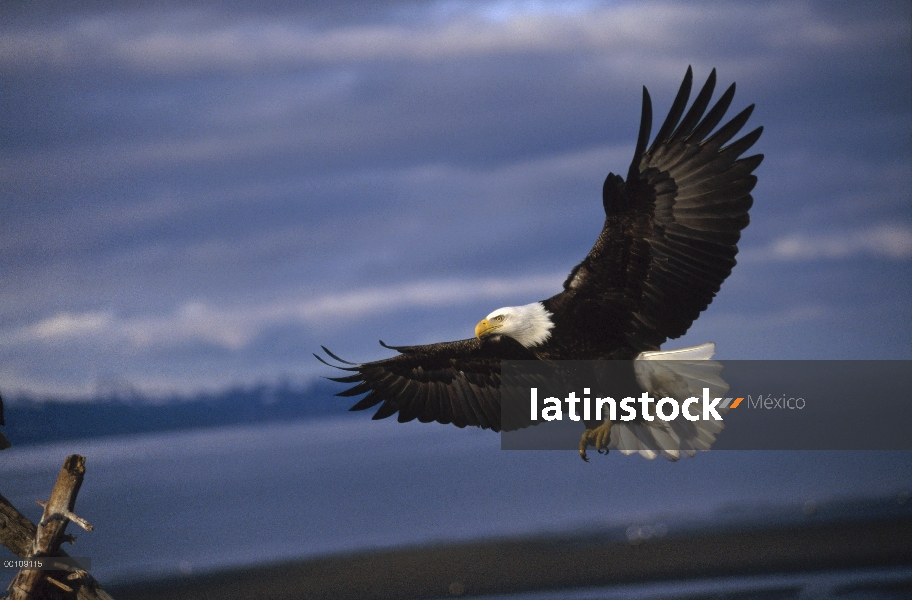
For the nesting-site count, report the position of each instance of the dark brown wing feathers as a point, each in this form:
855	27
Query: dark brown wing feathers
671	229
452	382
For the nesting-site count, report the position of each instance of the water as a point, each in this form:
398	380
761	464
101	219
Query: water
199	500
844	584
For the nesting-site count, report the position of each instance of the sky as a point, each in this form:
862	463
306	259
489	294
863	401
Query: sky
195	196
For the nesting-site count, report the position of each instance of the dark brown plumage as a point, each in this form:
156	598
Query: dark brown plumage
668	243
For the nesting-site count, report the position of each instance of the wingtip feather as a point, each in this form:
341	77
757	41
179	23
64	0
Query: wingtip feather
674	114
643	135
341	360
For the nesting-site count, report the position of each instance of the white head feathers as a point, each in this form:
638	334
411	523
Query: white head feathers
530	325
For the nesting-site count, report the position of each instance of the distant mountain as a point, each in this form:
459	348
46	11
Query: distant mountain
31	421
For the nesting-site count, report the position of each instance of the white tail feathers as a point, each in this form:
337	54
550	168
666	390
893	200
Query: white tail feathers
701	352
678	374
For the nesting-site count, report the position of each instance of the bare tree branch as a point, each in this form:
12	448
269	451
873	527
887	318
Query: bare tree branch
26	540
16	532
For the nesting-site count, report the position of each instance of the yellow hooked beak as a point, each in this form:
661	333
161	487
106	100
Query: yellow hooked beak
485	327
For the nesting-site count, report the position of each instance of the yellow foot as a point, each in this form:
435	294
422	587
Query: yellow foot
599	438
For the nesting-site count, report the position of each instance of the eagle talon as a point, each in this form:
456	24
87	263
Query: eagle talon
599	437
582	450
584	443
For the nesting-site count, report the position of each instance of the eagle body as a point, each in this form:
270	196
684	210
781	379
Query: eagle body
668	242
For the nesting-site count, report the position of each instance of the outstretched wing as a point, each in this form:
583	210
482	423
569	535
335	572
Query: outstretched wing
451	382
671	230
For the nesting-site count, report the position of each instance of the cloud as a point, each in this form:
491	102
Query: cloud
879	241
744	323
190	40
64	324
232	328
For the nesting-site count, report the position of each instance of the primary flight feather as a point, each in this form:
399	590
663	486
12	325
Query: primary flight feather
669	241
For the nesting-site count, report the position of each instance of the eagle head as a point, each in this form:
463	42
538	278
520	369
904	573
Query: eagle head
530	325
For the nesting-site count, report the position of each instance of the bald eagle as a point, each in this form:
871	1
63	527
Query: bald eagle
668	242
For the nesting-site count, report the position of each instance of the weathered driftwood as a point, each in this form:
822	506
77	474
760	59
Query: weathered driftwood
26	540
16	532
